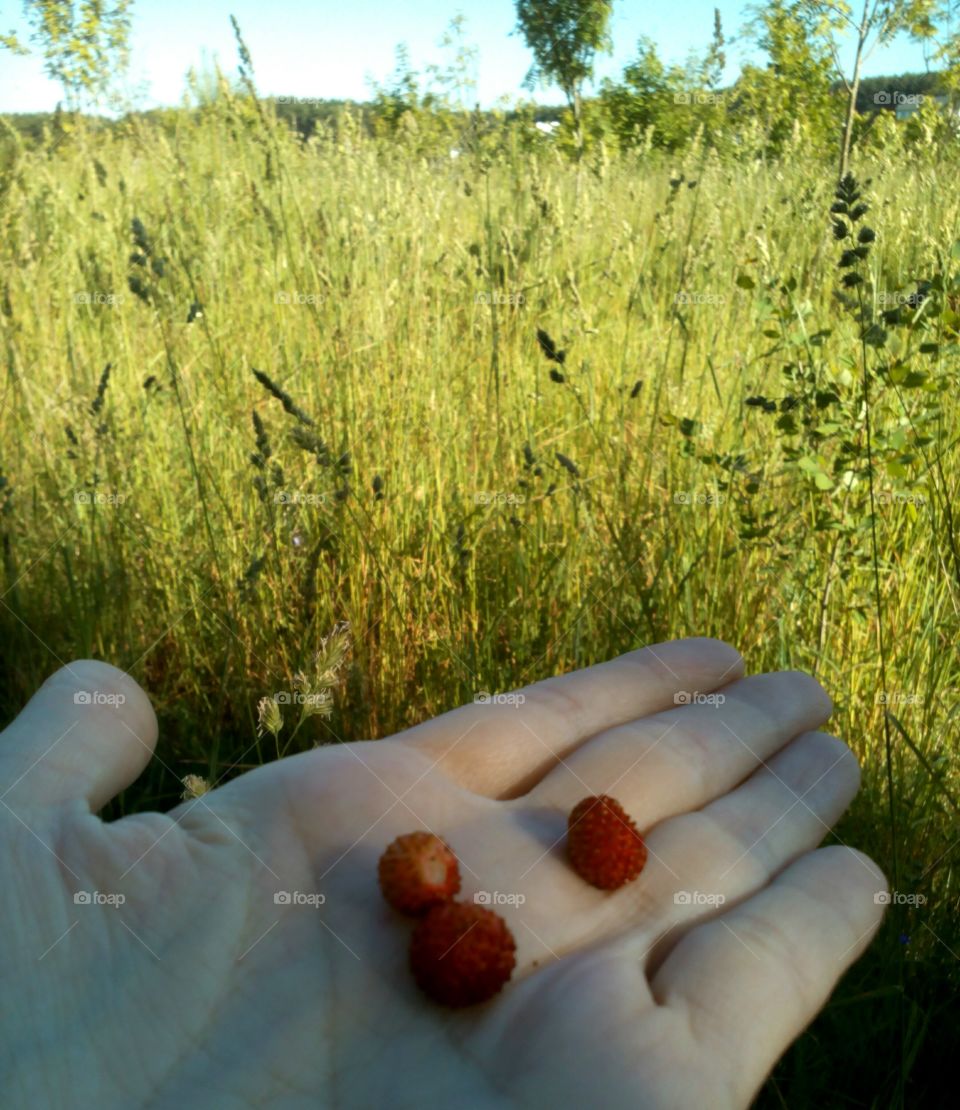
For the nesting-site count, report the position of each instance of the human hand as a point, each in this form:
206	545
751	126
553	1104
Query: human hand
199	989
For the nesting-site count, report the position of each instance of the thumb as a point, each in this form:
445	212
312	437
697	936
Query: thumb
87	732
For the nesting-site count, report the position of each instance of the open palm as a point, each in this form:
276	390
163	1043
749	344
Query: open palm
237	952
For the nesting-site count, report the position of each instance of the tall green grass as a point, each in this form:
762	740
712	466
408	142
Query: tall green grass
415	469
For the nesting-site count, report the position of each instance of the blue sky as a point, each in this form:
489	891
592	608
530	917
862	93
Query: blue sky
329	49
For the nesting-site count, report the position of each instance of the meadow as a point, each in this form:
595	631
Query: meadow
257	389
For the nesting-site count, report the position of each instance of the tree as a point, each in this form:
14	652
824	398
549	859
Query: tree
458	79
85	44
670	104
564	36
948	52
879	23
793	89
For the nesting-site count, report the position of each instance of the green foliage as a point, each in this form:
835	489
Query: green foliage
663	107
820	417
457	80
85	44
508	419
833	22
791	94
564	36
407	110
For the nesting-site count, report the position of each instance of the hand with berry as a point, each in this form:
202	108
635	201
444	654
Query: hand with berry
657	946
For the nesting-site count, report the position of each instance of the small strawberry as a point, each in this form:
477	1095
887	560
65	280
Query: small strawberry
461	953
603	844
417	871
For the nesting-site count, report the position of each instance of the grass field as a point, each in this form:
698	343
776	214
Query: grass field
408	460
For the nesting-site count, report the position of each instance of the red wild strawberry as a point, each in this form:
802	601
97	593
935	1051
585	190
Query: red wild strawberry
461	954
417	871
603	844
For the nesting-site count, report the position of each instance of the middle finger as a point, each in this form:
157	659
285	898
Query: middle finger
681	759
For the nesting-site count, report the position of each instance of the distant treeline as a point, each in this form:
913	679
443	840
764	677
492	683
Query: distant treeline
303	115
907	84
763	114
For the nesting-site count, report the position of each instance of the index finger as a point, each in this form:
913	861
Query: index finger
503	748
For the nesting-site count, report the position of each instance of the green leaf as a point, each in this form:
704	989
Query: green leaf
823	481
745	281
